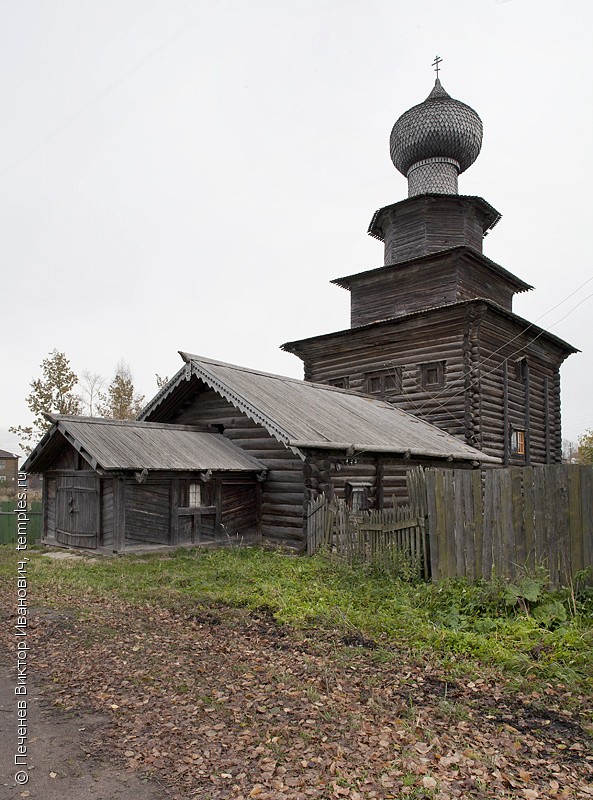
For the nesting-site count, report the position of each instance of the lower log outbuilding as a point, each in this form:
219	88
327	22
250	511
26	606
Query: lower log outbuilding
114	486
224	452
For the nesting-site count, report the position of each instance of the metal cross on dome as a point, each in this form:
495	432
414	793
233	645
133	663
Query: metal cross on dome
436	63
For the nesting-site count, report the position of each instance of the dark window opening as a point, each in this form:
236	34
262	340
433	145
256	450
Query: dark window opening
340	383
521	368
385	382
375	384
432	375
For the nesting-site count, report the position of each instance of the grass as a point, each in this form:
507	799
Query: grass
462	627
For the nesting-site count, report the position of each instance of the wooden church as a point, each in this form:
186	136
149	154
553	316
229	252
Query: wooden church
433	330
435	370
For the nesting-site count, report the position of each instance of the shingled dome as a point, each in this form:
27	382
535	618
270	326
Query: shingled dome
433	142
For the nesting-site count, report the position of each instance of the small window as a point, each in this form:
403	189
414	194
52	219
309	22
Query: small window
2	464
195	495
340	383
521	369
518	442
375	384
357	496
384	382
432	375
393	382
2	478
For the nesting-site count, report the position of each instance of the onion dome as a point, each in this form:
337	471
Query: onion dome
435	141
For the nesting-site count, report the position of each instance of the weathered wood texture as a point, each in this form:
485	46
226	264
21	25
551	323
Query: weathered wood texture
509	521
107	512
282	493
392	538
474	341
529	393
428	223
49	509
239	509
147	511
78	516
69	459
435	280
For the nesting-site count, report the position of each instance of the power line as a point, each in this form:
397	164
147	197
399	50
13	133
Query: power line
512	355
510	341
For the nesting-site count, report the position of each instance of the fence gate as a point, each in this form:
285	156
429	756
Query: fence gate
392	538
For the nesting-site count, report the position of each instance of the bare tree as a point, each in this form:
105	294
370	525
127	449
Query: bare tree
92	386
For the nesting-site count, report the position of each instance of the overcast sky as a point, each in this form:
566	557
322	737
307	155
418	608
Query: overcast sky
191	174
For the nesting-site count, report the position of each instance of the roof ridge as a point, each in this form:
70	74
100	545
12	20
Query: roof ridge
129	423
289	378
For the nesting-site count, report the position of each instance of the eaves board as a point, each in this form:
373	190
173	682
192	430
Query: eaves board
243	405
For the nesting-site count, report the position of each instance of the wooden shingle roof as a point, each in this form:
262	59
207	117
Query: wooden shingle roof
115	445
306	415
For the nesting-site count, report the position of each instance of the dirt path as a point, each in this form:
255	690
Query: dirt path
59	764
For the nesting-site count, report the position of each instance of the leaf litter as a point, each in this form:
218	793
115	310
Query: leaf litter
220	703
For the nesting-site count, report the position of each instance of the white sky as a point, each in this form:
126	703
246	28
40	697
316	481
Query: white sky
190	174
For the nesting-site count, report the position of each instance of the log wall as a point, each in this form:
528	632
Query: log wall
403	347
282	493
424	283
477	403
520	388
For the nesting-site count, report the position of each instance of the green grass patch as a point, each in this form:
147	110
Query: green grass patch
518	628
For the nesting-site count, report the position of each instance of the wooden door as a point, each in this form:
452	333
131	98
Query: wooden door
78	511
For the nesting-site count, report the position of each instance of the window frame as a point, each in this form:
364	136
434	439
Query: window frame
360	489
340	383
429	366
518	442
394	374
194	491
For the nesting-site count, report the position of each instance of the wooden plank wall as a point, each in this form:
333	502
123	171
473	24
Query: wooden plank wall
392	538
239	508
283	491
514	521
424	224
49	508
148	511
402	291
107	512
432	281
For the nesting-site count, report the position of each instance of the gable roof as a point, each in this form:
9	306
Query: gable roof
6	454
308	415
117	445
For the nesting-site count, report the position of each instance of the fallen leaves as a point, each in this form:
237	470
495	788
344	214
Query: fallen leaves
220	711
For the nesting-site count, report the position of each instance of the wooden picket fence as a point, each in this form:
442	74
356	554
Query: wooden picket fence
470	523
509	521
392	539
